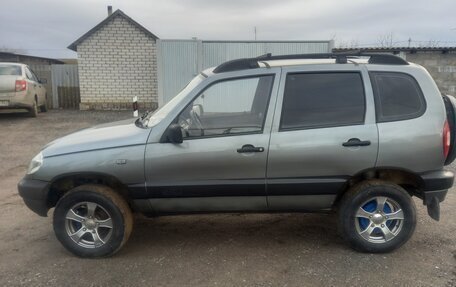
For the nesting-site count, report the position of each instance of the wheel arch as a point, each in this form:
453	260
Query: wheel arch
407	179
63	183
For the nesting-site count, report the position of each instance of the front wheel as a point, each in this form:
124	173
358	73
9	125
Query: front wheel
377	216
92	221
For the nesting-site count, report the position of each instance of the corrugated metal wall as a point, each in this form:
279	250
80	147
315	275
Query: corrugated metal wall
65	86
180	60
177	63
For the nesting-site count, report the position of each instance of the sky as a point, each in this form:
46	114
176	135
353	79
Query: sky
46	27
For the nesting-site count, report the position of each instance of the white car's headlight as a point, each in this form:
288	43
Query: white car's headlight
35	164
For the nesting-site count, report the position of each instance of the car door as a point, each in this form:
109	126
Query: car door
326	133
32	87
40	90
221	163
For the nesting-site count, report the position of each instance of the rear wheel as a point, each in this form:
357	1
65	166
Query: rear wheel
92	221
43	108
33	112
377	216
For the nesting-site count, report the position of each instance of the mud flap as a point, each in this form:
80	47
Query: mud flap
433	208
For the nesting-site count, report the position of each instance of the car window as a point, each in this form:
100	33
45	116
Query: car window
318	100
10	70
229	107
35	77
397	96
29	74
159	114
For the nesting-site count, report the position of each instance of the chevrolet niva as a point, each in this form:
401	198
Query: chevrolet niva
359	134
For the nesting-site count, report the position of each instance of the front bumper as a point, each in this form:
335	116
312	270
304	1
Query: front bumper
35	195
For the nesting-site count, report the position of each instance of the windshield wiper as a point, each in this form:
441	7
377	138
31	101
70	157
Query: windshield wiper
140	121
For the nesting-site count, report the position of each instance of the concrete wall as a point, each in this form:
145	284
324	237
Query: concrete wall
441	66
116	63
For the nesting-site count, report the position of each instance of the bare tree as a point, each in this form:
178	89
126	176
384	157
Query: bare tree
385	40
353	43
430	43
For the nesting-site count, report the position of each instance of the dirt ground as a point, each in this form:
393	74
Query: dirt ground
203	250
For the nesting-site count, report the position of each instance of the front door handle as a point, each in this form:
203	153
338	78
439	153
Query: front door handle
356	142
250	148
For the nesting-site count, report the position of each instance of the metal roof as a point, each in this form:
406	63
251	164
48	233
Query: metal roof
74	46
396	49
19	56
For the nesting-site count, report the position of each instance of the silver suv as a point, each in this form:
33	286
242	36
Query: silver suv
359	134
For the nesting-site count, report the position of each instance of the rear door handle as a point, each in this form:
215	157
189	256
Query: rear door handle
356	142
250	148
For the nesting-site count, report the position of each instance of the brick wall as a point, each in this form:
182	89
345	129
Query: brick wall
441	66
117	62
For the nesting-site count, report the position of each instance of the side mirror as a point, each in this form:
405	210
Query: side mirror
174	134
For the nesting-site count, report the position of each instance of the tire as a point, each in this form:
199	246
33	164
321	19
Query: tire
111	223
43	108
368	230
33	112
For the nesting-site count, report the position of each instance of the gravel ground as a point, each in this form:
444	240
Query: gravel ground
203	250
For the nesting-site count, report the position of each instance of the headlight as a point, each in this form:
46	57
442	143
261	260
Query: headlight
35	164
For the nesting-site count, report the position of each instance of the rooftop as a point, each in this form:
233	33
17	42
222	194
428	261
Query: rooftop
74	46
396	49
13	57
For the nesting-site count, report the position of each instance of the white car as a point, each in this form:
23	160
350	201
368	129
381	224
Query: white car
21	89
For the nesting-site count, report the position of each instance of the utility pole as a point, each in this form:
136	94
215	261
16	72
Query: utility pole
255	32
409	41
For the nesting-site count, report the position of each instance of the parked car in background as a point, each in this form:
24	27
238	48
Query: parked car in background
21	89
297	133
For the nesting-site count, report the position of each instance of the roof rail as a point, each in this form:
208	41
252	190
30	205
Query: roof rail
341	58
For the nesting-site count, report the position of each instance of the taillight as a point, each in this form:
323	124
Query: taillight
21	85
446	139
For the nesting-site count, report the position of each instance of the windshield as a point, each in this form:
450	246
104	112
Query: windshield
155	117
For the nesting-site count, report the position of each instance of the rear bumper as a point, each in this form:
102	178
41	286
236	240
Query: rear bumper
436	184
15	100
434	190
35	195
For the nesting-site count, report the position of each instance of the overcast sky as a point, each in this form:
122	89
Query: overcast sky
47	27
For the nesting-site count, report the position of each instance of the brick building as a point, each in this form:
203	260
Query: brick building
439	61
117	60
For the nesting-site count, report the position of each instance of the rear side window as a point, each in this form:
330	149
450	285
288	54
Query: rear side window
397	96
10	70
317	100
29	74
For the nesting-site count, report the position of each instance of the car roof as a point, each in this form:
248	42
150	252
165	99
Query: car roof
301	59
11	64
